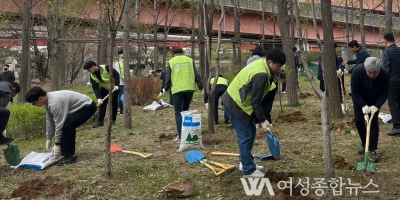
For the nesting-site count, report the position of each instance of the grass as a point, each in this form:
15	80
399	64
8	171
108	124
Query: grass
136	178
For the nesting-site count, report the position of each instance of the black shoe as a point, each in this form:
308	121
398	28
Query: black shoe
67	160
373	157
6	141
121	113
361	151
395	131
98	124
227	122
216	122
113	123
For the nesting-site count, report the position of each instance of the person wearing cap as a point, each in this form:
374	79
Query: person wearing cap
119	67
7	92
100	80
369	91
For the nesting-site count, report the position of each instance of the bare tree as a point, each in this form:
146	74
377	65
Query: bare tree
362	31
25	76
388	16
287	43
127	76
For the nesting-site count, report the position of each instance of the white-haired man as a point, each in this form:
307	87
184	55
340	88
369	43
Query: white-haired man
369	91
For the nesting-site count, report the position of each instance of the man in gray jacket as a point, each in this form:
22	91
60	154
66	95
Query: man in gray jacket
65	111
7	92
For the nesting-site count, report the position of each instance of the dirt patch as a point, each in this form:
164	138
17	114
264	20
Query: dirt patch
163	137
295	194
277	176
339	162
339	125
296	116
49	186
208	141
305	95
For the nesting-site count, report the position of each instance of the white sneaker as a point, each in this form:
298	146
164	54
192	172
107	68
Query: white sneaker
283	92
4	133
255	174
258	167
177	139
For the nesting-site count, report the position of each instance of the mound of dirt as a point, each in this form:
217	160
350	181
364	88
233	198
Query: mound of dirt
49	186
339	162
277	176
296	194
305	95
296	116
207	141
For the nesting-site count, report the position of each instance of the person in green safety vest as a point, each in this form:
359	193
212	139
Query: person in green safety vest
222	85
183	76
100	80
243	102
119	67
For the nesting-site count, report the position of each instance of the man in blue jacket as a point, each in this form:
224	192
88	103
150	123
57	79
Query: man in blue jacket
369	88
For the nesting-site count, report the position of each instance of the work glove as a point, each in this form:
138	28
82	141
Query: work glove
206	105
4	133
56	151
265	124
115	88
339	72
99	101
159	95
365	109
373	109
163	90
48	145
202	91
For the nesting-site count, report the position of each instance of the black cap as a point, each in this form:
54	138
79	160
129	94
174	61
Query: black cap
258	51
120	51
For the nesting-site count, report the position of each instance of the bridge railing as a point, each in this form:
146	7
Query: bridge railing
338	14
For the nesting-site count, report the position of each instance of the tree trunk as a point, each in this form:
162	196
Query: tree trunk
332	92
287	42
127	75
388	16
331	85
362	29
155	33
25	76
202	61
53	44
209	23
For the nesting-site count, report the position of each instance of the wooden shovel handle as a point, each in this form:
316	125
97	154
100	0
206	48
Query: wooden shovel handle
218	153
223	166
217	171
144	155
106	97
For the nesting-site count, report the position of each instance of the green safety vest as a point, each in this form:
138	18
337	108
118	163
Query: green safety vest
243	78
182	74
220	81
105	76
121	69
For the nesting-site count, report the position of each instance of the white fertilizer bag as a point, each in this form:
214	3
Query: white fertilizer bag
191	130
38	161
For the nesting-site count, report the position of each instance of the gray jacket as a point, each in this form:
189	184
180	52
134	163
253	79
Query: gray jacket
5	93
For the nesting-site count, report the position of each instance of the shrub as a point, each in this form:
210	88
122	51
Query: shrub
143	90
26	121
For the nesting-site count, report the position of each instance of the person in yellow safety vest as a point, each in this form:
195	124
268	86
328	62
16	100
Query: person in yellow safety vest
222	85
243	102
268	100
100	80
183	76
119	67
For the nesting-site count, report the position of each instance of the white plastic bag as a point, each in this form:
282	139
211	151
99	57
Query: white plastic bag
157	106
191	131
37	161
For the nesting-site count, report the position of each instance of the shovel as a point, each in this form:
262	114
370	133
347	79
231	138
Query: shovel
273	145
106	97
367	165
117	148
195	156
261	157
344	105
